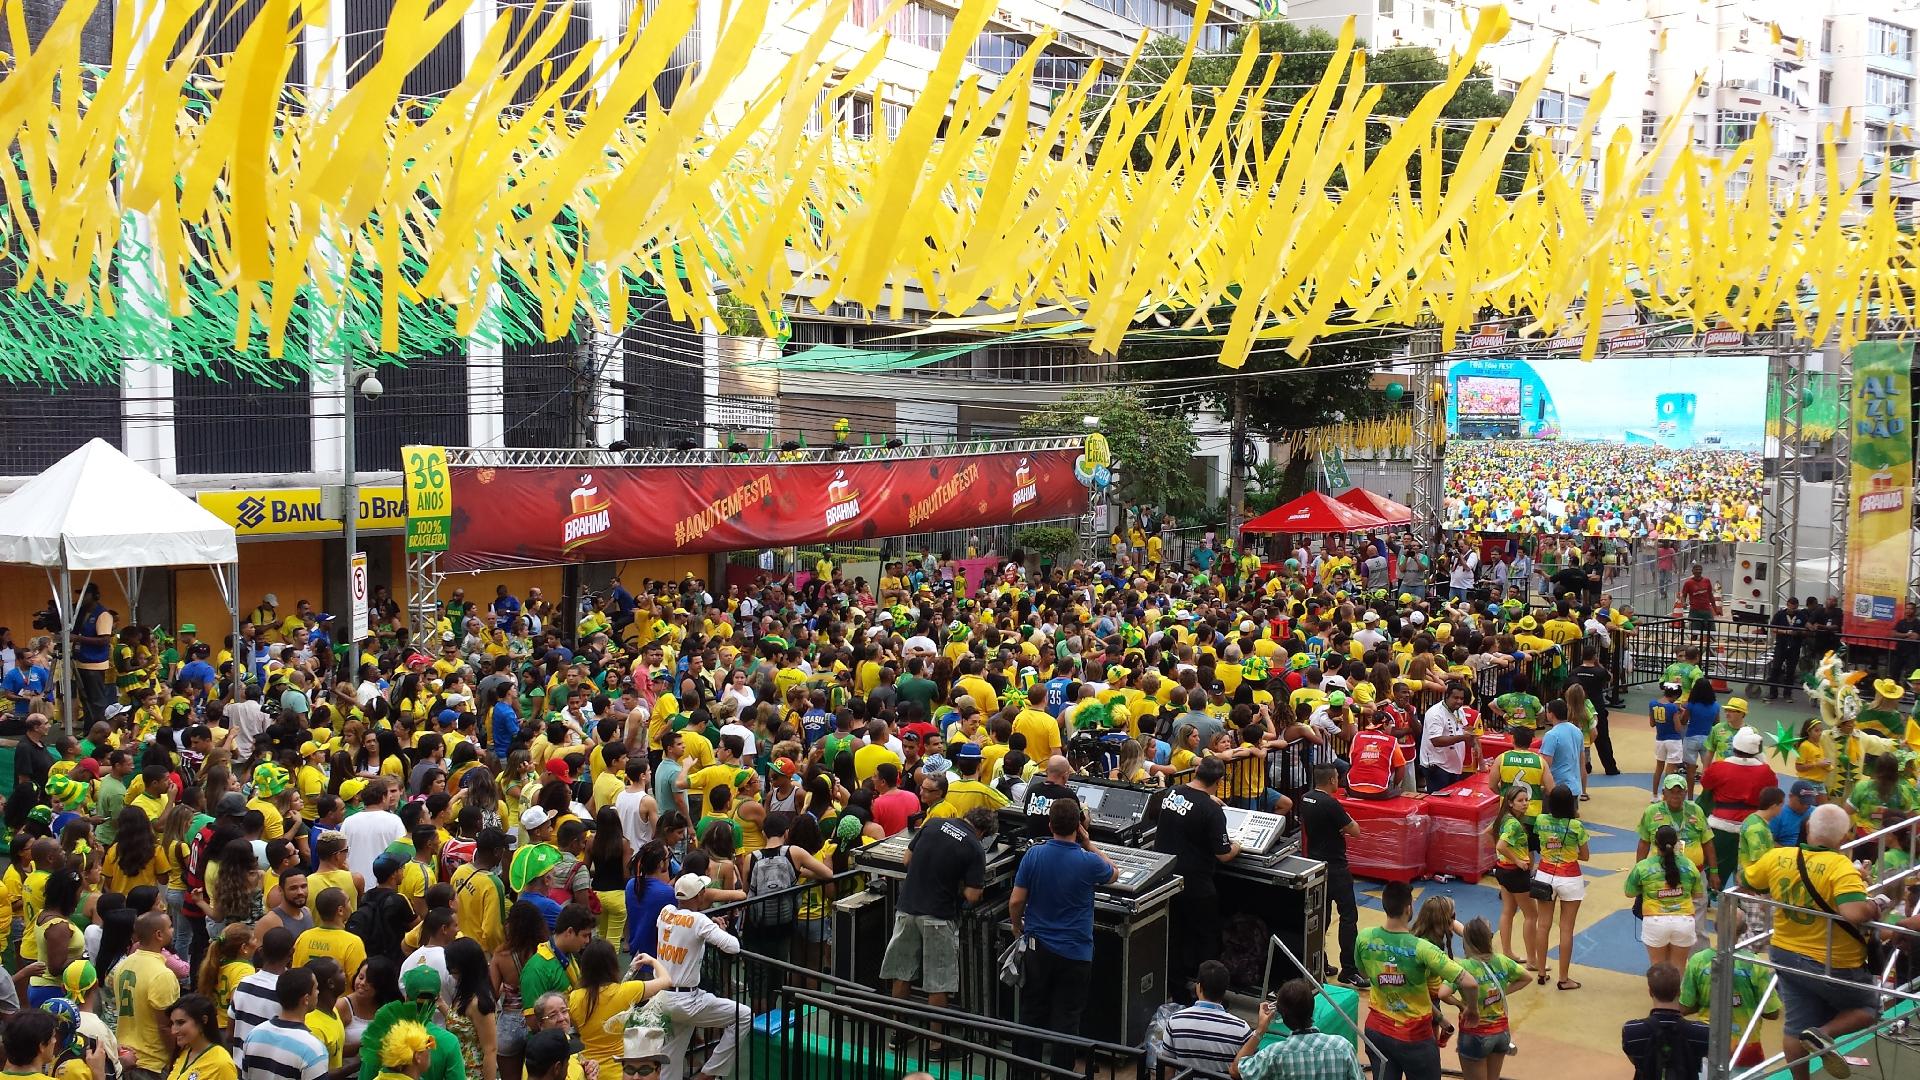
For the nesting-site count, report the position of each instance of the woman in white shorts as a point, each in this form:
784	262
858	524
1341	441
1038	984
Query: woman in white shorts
1666	888
1557	882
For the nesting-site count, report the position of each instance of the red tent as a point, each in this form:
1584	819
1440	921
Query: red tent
1378	505
1313	513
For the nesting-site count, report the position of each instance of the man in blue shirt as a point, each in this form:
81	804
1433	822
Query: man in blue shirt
1562	748
26	680
1787	826
506	722
196	671
1057	693
1053	904
506	607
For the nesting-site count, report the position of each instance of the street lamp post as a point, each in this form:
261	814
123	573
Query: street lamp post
359	381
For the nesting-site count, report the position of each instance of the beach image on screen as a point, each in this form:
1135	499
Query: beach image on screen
1637	447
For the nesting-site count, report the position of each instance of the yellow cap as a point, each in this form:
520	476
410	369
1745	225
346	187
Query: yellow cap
1736	704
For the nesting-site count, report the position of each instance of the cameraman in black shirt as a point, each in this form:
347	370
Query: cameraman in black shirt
946	867
1193	829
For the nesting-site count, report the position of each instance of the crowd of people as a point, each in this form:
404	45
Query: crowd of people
1592	489
507	847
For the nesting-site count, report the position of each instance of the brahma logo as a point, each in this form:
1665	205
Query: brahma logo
843	502
590	517
1024	488
1882	495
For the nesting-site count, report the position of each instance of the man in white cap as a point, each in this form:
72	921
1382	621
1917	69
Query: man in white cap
1735	783
1369	635
685	933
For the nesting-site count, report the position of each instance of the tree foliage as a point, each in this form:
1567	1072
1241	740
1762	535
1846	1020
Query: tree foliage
1334	383
1152	451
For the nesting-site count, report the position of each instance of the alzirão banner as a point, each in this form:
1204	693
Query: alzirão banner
1879	520
518	516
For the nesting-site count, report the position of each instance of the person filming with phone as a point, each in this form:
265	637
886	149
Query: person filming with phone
1053	904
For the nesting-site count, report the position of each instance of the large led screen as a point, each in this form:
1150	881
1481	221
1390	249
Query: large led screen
1640	447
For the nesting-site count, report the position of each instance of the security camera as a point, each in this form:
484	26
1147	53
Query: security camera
370	387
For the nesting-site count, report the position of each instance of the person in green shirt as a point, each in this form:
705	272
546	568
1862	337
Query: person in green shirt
1733	717
1666	886
1484	1045
1885	790
551	967
1756	832
1400	967
914	686
1675	809
1518	707
1685	671
1696	992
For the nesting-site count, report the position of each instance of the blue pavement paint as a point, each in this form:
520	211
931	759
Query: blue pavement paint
1613	944
1610	840
1641	780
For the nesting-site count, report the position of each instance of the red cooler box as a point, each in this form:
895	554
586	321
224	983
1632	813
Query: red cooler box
1392	845
1460	834
1495	743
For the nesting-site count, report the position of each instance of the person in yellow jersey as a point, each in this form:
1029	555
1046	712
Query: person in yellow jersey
965	790
197	1053
331	848
599	1001
329	936
479	896
144	988
1825	980
1042	731
867	759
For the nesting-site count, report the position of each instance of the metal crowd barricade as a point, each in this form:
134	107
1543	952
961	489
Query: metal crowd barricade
1749	656
1724	1045
809	1022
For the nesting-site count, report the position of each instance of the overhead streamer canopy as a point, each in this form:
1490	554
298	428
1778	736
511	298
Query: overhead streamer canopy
307	208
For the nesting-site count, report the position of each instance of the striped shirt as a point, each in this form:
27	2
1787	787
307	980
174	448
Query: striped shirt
284	1050
254	1004
1205	1036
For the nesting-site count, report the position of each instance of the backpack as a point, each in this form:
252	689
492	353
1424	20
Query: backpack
374	923
770	872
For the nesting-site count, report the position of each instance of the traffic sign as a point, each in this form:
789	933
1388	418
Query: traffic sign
359	589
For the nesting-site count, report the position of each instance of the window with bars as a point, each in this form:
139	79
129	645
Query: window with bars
227	21
573	39
664	370
1889	90
1887	39
424	401
366	27
852	114
1734	127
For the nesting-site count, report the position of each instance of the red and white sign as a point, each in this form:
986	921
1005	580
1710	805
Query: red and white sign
1489	336
542	516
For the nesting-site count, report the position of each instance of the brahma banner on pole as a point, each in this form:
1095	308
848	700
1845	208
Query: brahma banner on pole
1879	520
540	516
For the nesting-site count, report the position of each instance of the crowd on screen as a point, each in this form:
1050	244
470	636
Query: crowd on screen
1603	490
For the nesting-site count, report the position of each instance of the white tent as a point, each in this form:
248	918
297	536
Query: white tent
96	509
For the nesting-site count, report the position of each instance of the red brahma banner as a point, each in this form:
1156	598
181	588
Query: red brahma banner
527	516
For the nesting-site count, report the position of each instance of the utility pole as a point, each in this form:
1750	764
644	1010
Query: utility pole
582	383
1237	459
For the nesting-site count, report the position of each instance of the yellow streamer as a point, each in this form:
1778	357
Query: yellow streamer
1092	211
